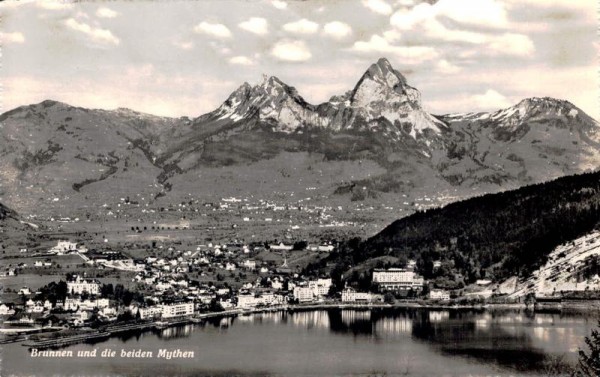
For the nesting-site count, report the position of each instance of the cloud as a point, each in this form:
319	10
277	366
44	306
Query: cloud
406	54
480	13
445	67
490	100
279	4
581	7
184	45
428	22
213	30
256	25
106	13
302	26
337	30
291	51
8	38
486	13
54	5
423	19
512	44
432	28
241	60
378	6
98	35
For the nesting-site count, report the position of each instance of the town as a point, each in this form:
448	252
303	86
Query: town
175	285
72	290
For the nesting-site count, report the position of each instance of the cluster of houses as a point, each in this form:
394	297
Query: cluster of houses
83	300
169	293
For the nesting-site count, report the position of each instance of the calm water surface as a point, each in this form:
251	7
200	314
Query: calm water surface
333	343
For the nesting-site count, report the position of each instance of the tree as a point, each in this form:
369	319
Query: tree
589	362
389	298
300	245
107	290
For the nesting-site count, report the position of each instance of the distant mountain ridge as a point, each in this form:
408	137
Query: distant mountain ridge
375	141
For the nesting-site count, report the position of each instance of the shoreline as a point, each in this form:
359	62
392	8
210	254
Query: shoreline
116	328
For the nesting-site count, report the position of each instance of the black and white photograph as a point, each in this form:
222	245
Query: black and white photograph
300	188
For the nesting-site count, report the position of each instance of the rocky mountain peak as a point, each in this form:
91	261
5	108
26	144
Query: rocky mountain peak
531	109
384	73
271	82
380	84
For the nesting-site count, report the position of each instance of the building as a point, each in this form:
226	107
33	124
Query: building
247	301
351	295
177	310
249	264
397	279
151	312
6	309
25	291
63	246
439	294
78	285
320	287
303	294
281	247
326	248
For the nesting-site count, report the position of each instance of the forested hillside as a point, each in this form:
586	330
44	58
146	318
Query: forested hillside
494	236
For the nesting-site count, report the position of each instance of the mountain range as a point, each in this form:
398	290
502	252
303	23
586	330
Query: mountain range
374	143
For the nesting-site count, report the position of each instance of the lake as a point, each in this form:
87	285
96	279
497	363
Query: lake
333	342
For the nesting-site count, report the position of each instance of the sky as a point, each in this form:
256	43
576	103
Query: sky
183	58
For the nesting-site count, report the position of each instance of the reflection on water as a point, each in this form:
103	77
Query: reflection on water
389	327
180	331
318	319
516	340
342	342
438	315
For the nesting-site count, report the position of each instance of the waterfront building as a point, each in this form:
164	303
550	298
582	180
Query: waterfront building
320	287
247	301
177	310
397	279
150	312
303	294
351	295
439	294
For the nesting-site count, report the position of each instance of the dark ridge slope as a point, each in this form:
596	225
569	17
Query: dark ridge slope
493	236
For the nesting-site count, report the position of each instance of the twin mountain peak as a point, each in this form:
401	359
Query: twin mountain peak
382	95
382	101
